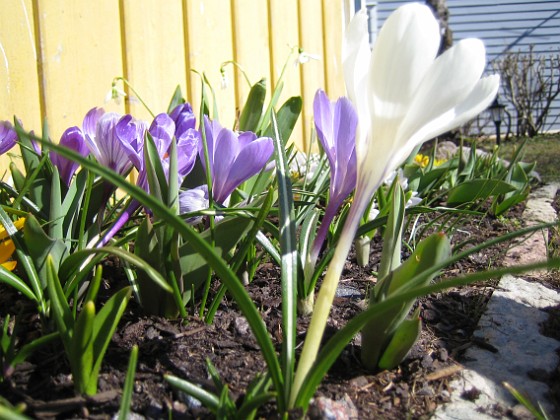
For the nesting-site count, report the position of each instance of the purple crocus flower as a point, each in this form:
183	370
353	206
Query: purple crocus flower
8	137
162	130
336	124
233	157
192	200
184	118
104	134
73	138
188	138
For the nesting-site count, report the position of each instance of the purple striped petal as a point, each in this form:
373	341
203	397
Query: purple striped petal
184	119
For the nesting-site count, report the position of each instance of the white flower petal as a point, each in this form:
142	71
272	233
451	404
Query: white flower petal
449	81
477	101
356	55
403	52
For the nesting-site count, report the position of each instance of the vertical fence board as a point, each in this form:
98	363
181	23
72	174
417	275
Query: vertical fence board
18	68
312	72
154	53
284	33
81	53
251	46
332	25
209	44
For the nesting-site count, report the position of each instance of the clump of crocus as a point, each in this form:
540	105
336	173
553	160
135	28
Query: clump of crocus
404	96
180	124
7	246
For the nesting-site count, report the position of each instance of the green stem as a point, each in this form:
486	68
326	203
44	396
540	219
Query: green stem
326	295
129	86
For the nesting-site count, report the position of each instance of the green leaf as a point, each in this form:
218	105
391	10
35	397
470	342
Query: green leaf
391	254
252	111
40	245
81	353
104	326
176	100
402	341
287	117
209	400
14	281
289	261
126	399
154	170
477	189
376	336
59	307
73	263
71	205
227	234
55	211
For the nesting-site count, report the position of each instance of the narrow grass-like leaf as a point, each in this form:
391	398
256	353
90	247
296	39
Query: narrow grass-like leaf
104	326
56	216
73	264
81	353
209	400
25	260
126	398
289	253
59	306
14	281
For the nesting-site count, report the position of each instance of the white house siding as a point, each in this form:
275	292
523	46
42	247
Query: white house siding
504	26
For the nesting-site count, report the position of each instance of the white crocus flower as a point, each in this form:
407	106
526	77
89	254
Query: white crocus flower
404	96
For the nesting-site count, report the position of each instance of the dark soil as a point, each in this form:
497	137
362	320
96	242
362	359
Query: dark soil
181	347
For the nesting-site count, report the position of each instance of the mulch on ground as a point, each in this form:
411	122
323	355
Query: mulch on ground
181	347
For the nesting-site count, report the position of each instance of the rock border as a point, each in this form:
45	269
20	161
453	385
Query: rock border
515	351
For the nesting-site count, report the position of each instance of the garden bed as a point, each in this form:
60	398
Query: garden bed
181	347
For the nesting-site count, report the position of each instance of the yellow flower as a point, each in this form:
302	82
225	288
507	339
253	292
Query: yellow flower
7	246
421	160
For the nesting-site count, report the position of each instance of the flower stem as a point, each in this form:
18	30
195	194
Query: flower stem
326	295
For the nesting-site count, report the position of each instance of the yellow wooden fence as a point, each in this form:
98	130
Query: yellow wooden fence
58	58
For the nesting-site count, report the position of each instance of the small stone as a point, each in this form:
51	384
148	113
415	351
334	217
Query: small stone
359	382
241	325
179	407
443	355
520	412
323	408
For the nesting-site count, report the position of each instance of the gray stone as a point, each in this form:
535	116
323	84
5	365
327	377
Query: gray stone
511	324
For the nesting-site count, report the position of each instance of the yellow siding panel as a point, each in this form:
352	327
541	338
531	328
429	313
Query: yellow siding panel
19	86
332	35
251	47
81	54
312	72
209	43
284	37
154	45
